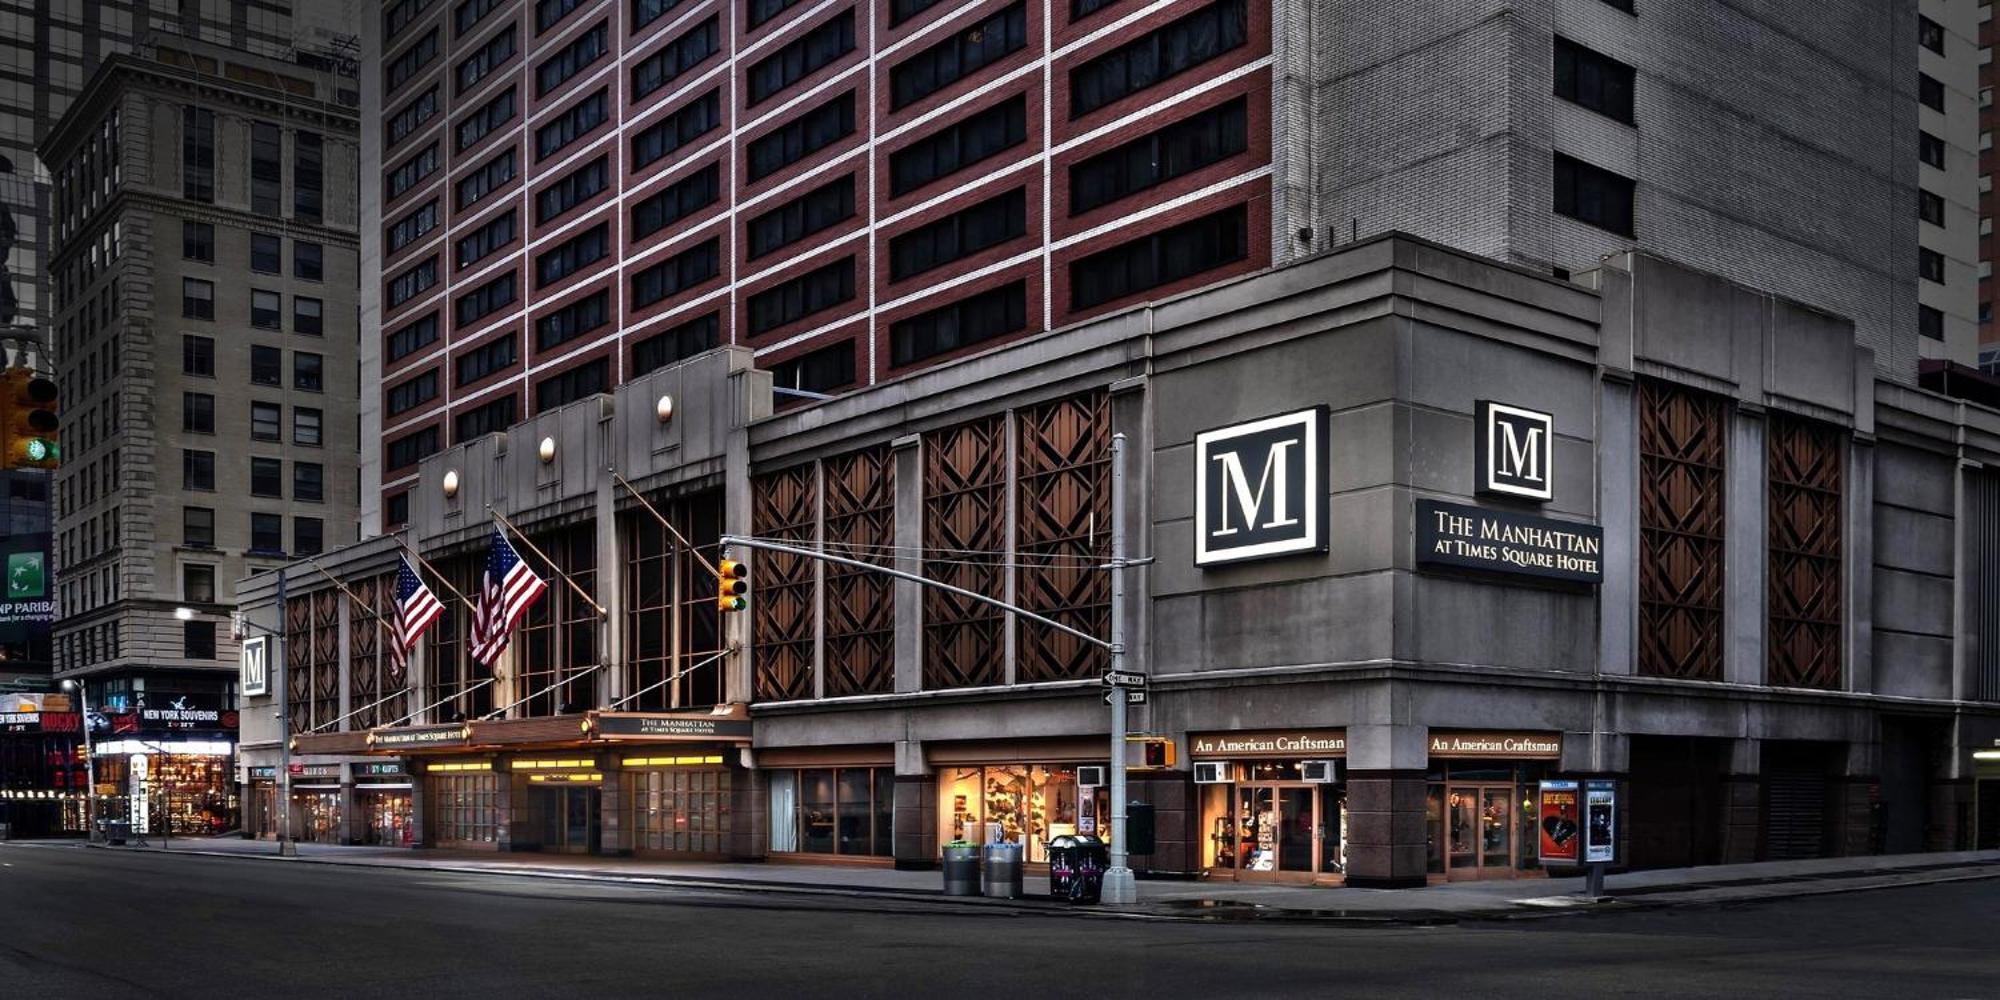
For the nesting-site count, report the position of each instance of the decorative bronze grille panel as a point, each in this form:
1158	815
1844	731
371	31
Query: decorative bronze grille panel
781	599
298	661
1063	511
326	657
1681	503
457	684
965	483
365	643
860	606
1802	463
671	632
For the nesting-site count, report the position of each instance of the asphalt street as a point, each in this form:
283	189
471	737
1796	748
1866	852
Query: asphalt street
94	923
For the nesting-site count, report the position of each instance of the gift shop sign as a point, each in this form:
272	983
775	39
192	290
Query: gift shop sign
1467	537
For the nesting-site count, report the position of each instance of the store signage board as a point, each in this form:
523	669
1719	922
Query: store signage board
1133	696
1260	488
1560	822
380	770
20	722
1462	536
650	726
1490	744
1269	743
1600	827
418	736
1514	451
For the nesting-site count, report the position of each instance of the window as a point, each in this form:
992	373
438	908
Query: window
1930	93
412	393
306	426
802	216
801	57
693	48
1593	80
267	365
960	234
198	584
570	126
958	56
198	356
309	482
1930	34
308	536
490	57
308	177
1180	148
824	370
487	179
571	59
1986	314
198	527
198	154
266	419
573	320
802	136
960	324
409	228
850	811
1594	195
490	116
267	477
396	509
1930	207
408	63
197	299
413	282
485	300
410	117
266	169
959	145
1930	323
412	448
400	15
762	11
308	316
573	255
308	372
676	274
1080	9
470	12
1160	258
645	12
903	10
198	242
412	338
198	640
676	343
197	470
267	533
1159	55
1930	265
408	173
265	313
494	416
577	186
484	241
697	119
572	385
308	261
797	298
197	413
484	361
549	12
1930	149
677	201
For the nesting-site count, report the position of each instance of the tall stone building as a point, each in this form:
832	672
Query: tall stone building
204	271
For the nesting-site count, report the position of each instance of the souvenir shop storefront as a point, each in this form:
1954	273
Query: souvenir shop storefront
1024	793
1479	812
1273	804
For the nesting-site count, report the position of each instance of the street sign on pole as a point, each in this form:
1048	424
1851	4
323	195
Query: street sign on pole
1133	696
1124	679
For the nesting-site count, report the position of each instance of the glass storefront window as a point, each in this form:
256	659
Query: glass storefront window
816	812
195	792
846	811
681	809
463	807
1016	804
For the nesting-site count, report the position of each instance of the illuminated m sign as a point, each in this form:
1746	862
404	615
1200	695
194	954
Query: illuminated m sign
1515	451
1260	488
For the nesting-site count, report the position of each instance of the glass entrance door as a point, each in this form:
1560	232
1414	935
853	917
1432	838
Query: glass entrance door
1480	827
569	819
1277	832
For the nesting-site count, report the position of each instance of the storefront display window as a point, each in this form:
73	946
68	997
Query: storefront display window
1015	804
386	814
681	809
463	807
845	811
317	812
1268	822
192	794
1479	818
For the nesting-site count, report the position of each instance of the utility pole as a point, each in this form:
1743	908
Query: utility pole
1121	888
89	764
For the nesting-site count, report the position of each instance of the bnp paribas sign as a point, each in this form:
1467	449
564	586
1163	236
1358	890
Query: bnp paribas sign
1260	488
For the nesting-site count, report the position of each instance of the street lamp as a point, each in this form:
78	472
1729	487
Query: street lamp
89	763
286	847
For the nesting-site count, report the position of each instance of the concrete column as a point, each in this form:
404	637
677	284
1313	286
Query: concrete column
1857	802
749	819
915	824
346	662
1743	550
1010	516
819	582
1618	512
1176	820
739	673
909	598
507	808
1743	803
1858	552
1605	755
420	826
352	826
1385	805
609	683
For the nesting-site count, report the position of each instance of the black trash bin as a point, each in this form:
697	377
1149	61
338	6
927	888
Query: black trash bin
1076	868
961	869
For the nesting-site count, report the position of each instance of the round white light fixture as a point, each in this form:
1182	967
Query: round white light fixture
451	482
547	450
664	408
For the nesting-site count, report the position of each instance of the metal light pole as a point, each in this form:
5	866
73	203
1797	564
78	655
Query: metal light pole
1121	888
89	763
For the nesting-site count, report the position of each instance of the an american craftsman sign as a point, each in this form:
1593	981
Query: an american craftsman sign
1260	488
1270	743
1453	534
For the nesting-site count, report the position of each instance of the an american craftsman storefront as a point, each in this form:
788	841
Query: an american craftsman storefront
1480	818
1272	803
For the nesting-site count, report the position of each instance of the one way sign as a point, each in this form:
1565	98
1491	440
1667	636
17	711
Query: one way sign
1133	696
1124	679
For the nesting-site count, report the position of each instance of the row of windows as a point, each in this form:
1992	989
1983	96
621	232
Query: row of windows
676	274
491	56
267	537
411	172
485	300
548	13
495	416
801	57
691	49
571	125
487	179
267	479
959	56
677	201
266	364
573	384
478	364
676	343
959	145
411	393
572	59
802	136
413	337
470	12
413	282
412	227
490	116
576	187
1159	55
486	240
410	61
573	255
809	213
572	321
266	420
266	252
266	308
960	234
795	299
698	118
1175	150
410	117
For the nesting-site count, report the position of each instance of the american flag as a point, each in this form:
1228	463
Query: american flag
506	590
416	609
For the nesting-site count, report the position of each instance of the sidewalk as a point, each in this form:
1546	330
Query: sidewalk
1190	899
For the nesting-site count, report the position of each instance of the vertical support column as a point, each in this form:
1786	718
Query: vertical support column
749	834
608	684
506	812
738	678
420	826
908	457
1857	801
1176	819
1386	763
1744	555
344	666
1618	512
819	581
915	824
1743	803
1858	533
1010	628
352	824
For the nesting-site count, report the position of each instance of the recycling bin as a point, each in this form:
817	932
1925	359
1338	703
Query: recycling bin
1076	868
1002	877
961	870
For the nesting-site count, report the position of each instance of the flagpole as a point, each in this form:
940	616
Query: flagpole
421	561
465	637
650	509
553	568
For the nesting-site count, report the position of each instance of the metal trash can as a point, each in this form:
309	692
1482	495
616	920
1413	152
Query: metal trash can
116	831
1002	877
961	870
1076	868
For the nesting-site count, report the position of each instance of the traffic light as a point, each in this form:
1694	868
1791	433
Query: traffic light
732	585
1149	753
29	424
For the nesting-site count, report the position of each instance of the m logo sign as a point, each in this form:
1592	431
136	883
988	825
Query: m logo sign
1515	451
1260	489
